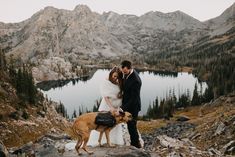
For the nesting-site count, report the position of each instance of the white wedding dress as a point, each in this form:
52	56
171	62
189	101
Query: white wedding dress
108	89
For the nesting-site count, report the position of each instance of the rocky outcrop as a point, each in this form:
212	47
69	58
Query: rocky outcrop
56	144
208	132
16	131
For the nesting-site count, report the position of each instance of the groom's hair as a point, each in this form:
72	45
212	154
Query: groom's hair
126	63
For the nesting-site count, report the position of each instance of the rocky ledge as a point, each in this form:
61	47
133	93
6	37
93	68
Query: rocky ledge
56	144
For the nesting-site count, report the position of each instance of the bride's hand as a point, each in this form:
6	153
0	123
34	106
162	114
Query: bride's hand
116	112
112	109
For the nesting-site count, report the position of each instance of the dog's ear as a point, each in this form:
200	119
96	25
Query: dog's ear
122	113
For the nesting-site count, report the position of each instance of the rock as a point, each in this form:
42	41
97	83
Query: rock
196	136
183	118
171	147
214	152
169	142
173	130
61	148
71	145
127	151
175	154
231	151
220	129
56	136
3	150
49	151
25	149
229	148
230	100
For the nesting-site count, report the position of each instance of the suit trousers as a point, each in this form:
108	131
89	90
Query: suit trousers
132	128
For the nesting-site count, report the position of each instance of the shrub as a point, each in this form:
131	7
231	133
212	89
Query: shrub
14	115
25	115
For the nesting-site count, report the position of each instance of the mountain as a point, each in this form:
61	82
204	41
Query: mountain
154	31
58	43
222	23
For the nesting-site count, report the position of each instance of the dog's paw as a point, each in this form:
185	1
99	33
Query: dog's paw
90	152
112	145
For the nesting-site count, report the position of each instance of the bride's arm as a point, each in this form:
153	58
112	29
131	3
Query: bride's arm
108	102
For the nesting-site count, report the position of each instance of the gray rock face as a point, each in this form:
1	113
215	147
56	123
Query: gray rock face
222	23
54	145
57	41
173	141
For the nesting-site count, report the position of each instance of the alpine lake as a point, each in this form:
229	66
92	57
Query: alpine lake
84	92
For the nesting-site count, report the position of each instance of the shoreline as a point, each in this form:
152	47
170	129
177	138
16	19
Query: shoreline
93	69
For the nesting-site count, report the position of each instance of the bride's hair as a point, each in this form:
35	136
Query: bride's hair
120	78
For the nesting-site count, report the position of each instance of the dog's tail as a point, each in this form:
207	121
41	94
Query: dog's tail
73	133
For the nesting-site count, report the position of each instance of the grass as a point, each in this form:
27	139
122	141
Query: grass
146	127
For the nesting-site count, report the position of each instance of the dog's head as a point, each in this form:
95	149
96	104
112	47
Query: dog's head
122	117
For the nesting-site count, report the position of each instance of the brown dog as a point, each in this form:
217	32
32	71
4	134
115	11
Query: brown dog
85	123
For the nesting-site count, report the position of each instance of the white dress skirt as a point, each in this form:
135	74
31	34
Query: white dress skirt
108	89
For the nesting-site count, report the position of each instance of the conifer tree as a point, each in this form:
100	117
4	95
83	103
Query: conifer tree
74	114
196	98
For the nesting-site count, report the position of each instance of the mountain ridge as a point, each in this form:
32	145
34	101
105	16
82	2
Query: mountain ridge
63	39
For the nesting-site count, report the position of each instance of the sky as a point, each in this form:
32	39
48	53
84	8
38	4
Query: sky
18	10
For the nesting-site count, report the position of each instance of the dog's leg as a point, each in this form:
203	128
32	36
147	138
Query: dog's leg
84	147
108	138
78	145
100	138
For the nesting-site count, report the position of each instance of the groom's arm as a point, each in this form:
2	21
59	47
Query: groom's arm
132	100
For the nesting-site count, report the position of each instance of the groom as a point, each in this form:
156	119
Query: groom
131	99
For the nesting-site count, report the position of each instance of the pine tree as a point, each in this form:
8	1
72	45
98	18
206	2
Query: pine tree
74	114
2	60
32	91
196	98
80	111
19	82
149	112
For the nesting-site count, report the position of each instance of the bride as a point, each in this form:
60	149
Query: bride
111	101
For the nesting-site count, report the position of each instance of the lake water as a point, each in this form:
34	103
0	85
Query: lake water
85	93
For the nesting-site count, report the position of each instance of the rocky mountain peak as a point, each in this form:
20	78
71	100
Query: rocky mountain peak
110	14
176	21
181	14
48	11
222	23
82	9
230	12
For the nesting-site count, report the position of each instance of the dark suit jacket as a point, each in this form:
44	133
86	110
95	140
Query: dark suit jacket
131	94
